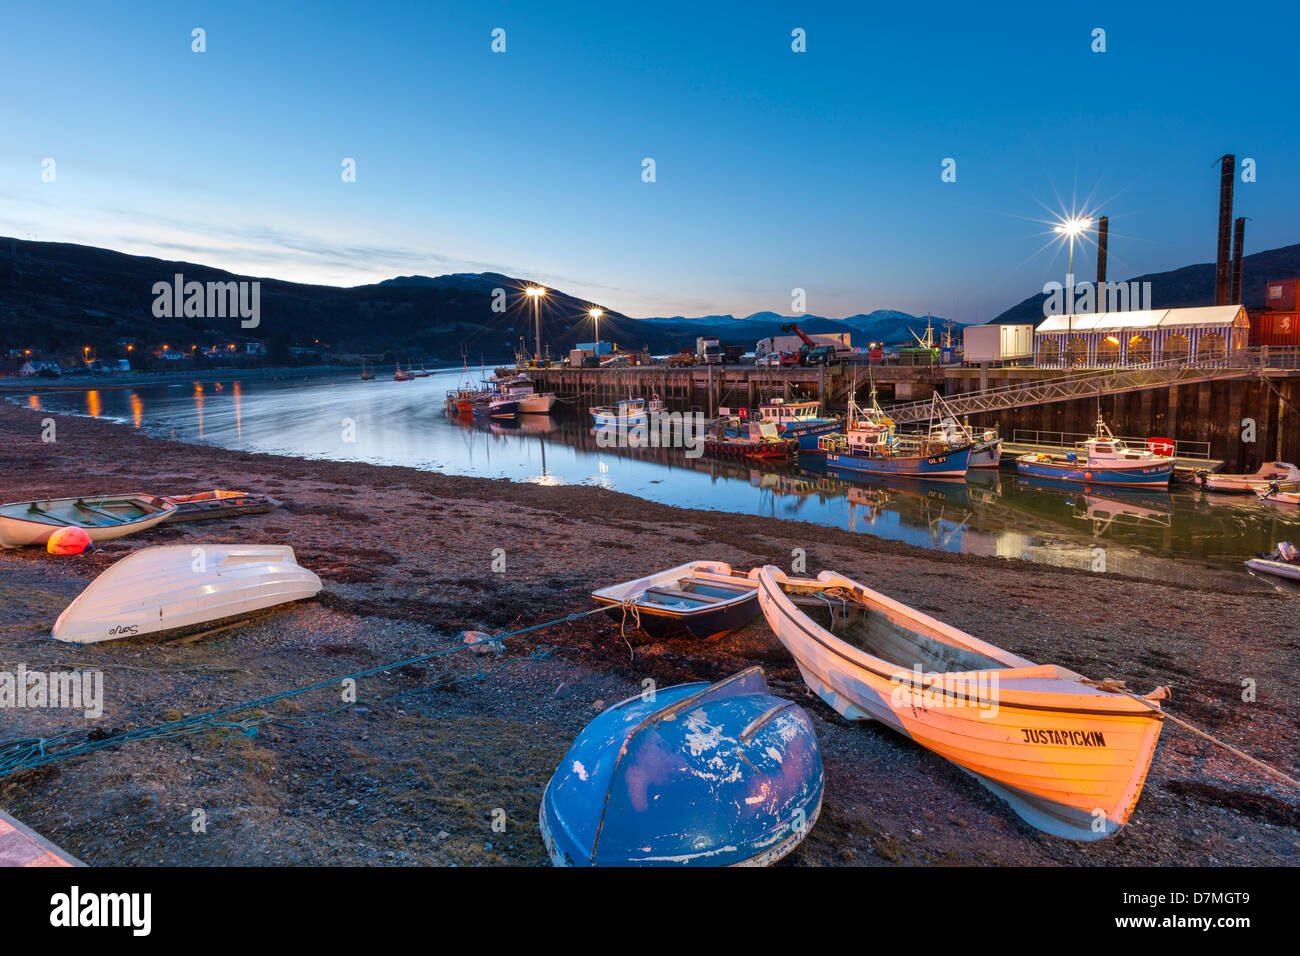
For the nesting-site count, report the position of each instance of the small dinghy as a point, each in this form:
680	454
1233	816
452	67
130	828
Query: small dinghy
218	504
181	588
1274	492
1284	562
699	774
703	598
1069	755
1274	474
27	523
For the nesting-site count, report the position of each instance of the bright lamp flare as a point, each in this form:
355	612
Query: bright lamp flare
1072	227
595	313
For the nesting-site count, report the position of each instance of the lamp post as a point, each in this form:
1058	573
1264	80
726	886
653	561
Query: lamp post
535	292
596	312
1070	228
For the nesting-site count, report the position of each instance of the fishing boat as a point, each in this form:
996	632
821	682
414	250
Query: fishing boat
104	517
531	402
175	589
986	445
1284	474
704	599
1101	460
403	375
802	421
1274	492
872	444
761	443
422	373
367	372
628	413
501	405
218	504
1068	754
1284	562
700	774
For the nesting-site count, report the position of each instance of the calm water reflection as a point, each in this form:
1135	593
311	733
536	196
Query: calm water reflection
1182	534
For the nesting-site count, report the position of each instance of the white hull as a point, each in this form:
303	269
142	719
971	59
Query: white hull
1069	758
986	454
1284	474
180	586
1282	497
537	404
18	532
1281	569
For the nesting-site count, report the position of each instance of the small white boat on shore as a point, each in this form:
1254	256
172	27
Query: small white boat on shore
1284	562
1069	755
1281	473
104	517
178	588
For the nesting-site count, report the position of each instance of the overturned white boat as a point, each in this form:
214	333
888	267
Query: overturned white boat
1069	755
178	588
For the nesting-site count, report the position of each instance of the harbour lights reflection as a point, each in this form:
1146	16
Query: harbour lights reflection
1183	534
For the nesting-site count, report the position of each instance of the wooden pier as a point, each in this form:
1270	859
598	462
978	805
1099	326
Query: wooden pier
1242	413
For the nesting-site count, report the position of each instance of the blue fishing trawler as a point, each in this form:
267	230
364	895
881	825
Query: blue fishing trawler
1101	460
871	444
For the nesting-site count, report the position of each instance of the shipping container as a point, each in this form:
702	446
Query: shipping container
1280	295
1279	328
997	343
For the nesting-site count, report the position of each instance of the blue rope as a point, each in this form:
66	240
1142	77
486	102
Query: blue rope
23	754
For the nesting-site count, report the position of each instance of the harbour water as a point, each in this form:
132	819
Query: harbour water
1182	534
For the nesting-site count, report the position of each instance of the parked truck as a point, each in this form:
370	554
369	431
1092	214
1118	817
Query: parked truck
770	350
708	351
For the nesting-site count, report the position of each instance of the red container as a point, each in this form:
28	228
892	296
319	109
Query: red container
1280	295
1279	328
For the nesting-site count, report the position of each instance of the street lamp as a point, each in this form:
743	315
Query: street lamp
535	292
1070	228
596	312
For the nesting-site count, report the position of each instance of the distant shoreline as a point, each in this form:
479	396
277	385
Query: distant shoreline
137	379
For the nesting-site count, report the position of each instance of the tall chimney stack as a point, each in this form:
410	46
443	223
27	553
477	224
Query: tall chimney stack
1103	227
1238	241
1227	170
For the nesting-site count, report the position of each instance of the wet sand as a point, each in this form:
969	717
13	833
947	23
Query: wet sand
415	772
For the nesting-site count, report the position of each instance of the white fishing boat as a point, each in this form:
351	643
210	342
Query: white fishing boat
1281	473
986	446
629	413
176	588
103	517
1069	755
1284	562
531	402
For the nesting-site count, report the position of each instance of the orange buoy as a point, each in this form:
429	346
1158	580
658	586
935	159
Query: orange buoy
69	541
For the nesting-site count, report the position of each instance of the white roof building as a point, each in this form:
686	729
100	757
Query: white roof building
1141	337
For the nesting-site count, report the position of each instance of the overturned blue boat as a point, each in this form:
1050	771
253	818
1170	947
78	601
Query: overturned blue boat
699	774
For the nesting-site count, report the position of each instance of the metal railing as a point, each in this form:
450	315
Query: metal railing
1091	382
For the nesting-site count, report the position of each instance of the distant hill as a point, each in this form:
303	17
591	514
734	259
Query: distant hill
61	297
1190	285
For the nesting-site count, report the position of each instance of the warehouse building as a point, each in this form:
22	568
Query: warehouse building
1108	339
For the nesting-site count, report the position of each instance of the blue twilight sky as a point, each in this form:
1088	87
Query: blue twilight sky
775	170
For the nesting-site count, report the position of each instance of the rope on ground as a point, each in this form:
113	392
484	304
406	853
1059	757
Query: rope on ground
1118	686
629	606
26	753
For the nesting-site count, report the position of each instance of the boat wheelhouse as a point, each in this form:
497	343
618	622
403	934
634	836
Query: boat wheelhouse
802	421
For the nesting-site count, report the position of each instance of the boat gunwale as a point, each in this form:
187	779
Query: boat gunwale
846	651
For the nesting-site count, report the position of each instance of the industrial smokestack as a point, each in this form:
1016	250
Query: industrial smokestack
1238	240
1103	227
1227	169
